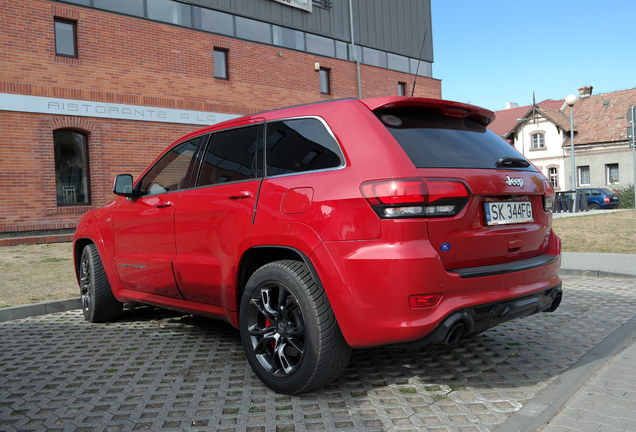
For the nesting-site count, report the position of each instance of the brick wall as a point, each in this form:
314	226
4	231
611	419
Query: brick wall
135	61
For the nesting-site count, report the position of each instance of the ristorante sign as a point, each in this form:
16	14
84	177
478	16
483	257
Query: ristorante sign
300	4
45	105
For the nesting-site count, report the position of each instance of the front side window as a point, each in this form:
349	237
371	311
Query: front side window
538	141
65	37
174	171
325	81
233	155
612	173
299	145
584	175
71	167
220	63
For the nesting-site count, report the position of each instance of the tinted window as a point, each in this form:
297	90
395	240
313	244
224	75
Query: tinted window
232	156
65	38
220	63
300	145
174	171
435	141
132	7
170	11
71	167
289	38
253	30
213	21
320	45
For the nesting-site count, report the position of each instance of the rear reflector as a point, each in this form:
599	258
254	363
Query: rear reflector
424	300
409	198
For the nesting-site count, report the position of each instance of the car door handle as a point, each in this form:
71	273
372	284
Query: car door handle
164	204
241	195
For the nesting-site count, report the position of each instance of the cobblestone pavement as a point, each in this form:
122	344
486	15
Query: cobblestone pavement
158	370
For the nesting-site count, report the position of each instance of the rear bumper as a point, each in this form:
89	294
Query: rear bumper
476	319
369	284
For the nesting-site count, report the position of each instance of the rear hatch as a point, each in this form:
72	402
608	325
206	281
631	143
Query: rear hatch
503	218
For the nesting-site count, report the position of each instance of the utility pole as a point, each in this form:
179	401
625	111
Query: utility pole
631	118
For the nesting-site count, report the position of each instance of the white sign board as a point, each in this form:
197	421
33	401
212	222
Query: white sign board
300	4
71	107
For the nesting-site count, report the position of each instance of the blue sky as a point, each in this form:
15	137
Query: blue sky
491	52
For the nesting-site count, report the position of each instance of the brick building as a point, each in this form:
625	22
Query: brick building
93	88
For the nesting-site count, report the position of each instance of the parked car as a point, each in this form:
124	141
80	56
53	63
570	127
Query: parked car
330	226
600	198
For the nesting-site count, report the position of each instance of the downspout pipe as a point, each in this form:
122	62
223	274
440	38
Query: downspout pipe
353	49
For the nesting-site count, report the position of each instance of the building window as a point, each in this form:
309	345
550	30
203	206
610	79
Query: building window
325	81
65	38
584	175
611	172
71	167
553	175
401	89
538	141
220	63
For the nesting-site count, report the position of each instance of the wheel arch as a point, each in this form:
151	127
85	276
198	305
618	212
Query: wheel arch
258	256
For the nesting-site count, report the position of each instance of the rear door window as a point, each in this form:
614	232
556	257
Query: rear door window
233	155
435	141
299	145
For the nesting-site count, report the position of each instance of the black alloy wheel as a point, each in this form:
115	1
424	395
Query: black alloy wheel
288	330
98	302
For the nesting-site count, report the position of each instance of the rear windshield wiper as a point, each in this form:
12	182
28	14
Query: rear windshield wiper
510	162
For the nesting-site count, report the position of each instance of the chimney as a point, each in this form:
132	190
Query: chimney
510	105
585	92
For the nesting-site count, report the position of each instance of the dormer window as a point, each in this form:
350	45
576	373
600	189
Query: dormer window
538	141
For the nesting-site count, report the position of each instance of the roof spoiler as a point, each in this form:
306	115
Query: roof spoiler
443	107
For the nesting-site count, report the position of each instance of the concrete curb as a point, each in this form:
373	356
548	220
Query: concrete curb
37	309
549	401
595	273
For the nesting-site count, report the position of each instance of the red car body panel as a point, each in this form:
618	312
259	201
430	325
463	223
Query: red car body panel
183	250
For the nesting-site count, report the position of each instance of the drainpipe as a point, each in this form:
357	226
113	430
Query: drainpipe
353	49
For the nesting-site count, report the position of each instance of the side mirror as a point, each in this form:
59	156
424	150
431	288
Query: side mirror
123	185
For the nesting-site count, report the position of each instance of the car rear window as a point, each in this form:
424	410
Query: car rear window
435	141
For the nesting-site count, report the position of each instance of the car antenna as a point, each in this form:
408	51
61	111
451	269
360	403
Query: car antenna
419	61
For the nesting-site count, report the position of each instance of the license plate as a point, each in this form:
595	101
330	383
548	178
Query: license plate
508	212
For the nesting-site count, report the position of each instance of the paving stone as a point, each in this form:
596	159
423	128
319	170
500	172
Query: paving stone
159	370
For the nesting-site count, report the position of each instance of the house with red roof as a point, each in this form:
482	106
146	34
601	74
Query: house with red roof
602	154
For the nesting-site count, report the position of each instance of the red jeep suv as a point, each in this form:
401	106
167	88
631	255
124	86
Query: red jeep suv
324	227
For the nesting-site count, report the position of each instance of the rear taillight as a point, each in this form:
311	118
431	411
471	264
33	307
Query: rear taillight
606	199
548	197
410	198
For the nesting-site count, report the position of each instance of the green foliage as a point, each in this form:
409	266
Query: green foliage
626	196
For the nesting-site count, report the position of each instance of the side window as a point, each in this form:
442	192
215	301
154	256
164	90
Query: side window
299	145
233	155
71	167
174	171
65	37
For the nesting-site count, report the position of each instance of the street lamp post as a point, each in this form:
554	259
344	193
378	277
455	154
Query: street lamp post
570	100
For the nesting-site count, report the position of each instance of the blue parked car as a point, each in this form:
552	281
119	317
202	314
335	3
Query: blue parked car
600	198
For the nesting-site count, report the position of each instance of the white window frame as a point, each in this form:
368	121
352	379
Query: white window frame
608	170
579	172
537	141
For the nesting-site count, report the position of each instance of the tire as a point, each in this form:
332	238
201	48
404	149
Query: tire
289	331
98	302
593	206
